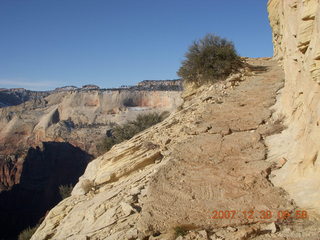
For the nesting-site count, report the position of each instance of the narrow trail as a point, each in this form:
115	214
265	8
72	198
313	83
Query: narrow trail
208	158
222	167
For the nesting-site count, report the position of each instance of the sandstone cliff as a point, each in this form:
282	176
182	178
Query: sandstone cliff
296	37
210	155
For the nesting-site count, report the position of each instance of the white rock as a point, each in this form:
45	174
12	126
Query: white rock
132	233
126	208
272	227
231	229
135	191
203	233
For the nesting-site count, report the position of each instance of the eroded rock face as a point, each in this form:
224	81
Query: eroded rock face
210	155
296	37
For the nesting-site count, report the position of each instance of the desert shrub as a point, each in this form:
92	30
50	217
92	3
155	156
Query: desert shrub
180	231
126	131
128	102
65	191
208	60
106	144
27	233
147	120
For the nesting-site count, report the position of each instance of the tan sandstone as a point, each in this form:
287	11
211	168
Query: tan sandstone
208	155
296	29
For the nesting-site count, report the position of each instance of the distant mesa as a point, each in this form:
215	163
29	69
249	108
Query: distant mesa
66	88
72	88
150	83
160	85
16	96
90	86
12	90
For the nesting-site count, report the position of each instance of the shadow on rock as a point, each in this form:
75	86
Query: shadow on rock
44	170
258	69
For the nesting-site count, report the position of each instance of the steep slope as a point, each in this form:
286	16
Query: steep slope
208	156
296	37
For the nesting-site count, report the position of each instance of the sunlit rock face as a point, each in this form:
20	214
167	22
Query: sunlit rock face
210	154
296	38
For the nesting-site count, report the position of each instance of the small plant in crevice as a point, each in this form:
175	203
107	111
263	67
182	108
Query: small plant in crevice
65	190
180	231
27	233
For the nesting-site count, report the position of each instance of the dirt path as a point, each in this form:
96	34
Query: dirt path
207	159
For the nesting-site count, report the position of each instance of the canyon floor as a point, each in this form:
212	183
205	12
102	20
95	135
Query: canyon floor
176	177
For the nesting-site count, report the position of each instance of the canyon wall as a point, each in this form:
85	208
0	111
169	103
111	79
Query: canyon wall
79	117
296	28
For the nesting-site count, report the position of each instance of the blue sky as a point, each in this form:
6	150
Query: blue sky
50	43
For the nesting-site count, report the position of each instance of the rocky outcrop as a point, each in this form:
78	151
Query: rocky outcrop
296	37
210	155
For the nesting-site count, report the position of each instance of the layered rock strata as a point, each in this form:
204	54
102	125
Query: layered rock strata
296	31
